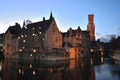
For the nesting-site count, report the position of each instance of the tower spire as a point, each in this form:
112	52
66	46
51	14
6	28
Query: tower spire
51	15
24	23
91	27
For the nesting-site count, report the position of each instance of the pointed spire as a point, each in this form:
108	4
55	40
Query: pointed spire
23	23
51	15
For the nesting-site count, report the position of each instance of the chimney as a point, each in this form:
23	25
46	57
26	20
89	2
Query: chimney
43	18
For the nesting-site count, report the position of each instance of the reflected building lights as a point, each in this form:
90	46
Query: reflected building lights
30	66
91	61
33	72
23	47
91	50
101	59
22	72
19	71
20	50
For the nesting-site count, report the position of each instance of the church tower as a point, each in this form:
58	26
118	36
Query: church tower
91	27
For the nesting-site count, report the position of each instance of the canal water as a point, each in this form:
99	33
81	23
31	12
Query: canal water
76	69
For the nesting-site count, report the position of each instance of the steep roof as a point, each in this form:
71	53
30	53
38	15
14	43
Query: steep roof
14	30
72	32
43	25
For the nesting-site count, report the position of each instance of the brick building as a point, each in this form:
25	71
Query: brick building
11	40
40	36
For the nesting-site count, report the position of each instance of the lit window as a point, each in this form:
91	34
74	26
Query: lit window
33	34
34	50
20	50
18	37
25	35
40	32
23	47
33	28
22	36
39	27
91	50
31	55
24	41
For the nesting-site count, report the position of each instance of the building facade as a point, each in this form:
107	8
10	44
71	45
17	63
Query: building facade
91	27
11	40
40	36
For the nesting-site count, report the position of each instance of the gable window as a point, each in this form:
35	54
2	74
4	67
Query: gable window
56	39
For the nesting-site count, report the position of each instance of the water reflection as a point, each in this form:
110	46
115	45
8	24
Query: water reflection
76	69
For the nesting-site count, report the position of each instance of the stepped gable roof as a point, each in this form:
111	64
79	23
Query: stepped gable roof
14	30
64	34
74	32
42	25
